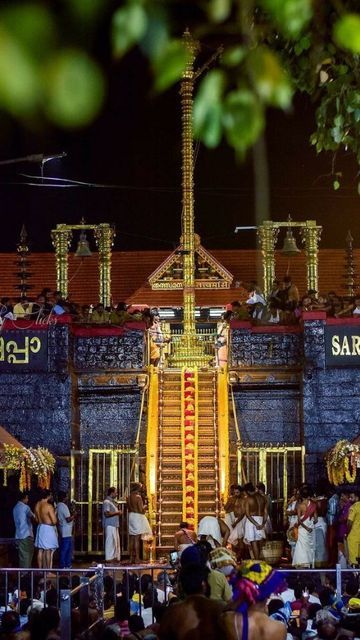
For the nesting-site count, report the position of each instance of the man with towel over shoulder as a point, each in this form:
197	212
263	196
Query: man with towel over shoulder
138	522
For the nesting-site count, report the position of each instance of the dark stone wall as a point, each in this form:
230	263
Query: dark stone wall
269	416
36	409
101	353
46	408
331	400
265	349
323	408
109	418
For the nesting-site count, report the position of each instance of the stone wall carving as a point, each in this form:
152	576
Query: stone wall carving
265	349
109	352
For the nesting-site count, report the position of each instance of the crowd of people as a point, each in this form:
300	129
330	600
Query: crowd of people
322	527
207	595
54	523
283	305
218	587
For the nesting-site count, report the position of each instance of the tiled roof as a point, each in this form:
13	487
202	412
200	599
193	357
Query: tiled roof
130	270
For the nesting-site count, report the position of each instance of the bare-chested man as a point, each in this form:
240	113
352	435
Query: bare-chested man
237	534
46	540
229	506
138	522
256	514
184	538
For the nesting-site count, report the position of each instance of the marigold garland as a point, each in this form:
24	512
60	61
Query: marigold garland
39	462
338	462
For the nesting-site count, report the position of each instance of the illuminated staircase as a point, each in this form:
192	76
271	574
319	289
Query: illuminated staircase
169	486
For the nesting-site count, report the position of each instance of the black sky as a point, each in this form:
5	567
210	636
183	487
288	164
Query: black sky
135	144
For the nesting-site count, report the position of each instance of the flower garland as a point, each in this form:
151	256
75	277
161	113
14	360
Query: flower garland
338	462
28	462
189	444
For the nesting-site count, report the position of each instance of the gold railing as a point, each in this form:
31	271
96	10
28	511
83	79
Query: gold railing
197	349
279	467
223	430
152	442
92	473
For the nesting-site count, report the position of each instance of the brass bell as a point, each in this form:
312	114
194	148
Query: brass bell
290	247
83	249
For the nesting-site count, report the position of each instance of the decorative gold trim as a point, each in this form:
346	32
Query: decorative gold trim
152	441
223	431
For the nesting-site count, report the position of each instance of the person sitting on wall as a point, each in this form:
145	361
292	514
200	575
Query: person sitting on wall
99	315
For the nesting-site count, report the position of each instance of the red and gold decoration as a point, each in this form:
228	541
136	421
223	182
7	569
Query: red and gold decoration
38	462
189	443
343	462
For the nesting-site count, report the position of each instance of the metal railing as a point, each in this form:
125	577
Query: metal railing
101	584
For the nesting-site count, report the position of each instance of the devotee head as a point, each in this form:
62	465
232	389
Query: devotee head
193	580
249	488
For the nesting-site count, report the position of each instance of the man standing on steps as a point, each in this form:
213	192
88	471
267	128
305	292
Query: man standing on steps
138	522
184	538
111	515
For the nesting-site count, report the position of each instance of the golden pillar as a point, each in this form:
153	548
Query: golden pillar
104	236
268	234
311	236
61	238
187	219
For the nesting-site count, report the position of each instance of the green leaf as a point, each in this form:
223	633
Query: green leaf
302	45
218	10
170	64
85	10
336	185
32	25
19	78
74	87
243	119
347	32
233	56
128	27
208	108
291	16
156	35
358	188
269	78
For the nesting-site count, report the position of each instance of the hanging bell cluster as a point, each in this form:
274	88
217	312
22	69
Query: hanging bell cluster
83	249
290	247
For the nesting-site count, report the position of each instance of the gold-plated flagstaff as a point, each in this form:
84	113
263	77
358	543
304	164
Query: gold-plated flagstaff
190	266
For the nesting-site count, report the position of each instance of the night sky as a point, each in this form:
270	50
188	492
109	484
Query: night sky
135	144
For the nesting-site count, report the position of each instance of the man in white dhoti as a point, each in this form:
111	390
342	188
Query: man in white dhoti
139	526
321	552
111	515
256	515
304	554
46	539
213	530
